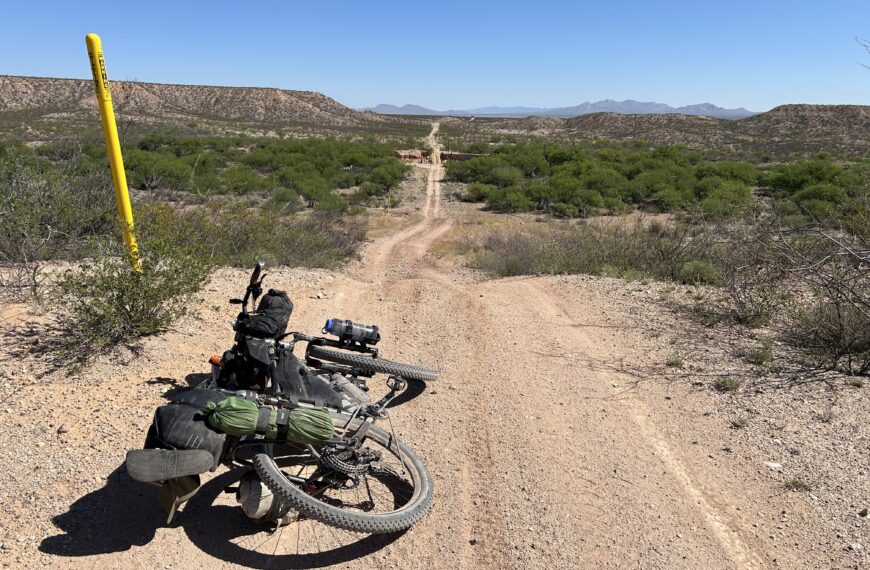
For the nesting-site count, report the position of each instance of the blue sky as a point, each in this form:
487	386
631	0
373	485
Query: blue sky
444	54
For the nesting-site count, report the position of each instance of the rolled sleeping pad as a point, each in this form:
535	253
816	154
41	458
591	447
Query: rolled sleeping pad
239	417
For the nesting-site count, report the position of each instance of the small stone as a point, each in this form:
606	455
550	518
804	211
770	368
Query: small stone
855	547
62	429
773	465
862	512
472	541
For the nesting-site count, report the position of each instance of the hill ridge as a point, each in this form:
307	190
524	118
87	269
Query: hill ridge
48	96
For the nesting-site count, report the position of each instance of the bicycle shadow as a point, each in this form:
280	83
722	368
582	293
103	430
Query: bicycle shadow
126	513
219	530
111	519
175	387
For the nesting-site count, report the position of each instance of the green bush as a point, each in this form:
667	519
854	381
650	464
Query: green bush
48	210
242	179
104	302
312	167
820	201
283	201
509	200
476	192
580	181
233	234
803	173
725	198
697	272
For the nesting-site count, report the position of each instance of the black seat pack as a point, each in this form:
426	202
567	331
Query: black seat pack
271	317
181	425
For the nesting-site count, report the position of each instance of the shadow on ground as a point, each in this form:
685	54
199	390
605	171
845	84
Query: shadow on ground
126	513
219	530
113	519
175	387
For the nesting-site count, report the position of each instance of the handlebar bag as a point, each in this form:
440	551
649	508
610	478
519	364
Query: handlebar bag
271	317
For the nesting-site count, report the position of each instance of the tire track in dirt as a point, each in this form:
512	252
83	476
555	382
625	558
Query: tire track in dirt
459	456
419	236
725	531
544	429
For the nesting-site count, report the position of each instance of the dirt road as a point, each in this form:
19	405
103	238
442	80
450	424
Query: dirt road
549	445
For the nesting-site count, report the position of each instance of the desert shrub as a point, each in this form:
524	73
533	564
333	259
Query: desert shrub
312	167
476	192
505	176
754	294
699	272
509	200
835	333
795	176
580	181
763	355
723	198
233	234
283	201
727	384
241	179
104	302
730	170
332	204
387	173
48	211
820	201
665	252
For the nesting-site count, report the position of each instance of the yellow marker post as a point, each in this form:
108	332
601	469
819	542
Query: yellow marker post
110	131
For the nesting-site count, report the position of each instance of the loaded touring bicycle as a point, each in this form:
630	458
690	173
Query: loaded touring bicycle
311	440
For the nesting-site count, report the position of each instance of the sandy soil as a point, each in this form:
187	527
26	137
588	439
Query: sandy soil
550	441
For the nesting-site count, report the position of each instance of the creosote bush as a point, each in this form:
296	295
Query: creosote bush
104	302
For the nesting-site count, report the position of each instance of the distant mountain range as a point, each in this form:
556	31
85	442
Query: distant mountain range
627	107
